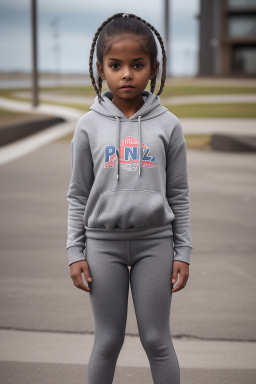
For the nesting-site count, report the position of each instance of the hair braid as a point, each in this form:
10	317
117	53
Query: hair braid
157	34
153	85
97	89
164	59
99	86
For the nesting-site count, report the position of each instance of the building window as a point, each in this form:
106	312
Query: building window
244	59
242	3
242	26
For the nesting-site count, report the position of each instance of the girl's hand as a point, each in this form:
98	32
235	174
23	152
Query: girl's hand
183	269
76	270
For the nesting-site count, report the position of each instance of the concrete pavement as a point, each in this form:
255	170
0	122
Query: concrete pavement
61	348
47	324
24	373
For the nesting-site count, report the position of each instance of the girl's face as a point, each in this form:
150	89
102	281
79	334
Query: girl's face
126	68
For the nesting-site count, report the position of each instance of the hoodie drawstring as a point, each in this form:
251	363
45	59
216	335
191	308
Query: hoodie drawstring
140	143
118	144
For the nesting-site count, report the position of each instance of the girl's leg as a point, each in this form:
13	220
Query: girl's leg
150	276
109	298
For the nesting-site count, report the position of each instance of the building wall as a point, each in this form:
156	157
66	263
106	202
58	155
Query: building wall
227	38
206	51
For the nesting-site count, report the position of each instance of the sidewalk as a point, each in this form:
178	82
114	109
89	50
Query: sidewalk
60	355
61	348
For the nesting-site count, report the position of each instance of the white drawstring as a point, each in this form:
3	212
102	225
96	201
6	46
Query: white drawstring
117	144
140	144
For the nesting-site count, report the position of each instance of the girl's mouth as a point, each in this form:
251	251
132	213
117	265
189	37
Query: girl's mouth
127	86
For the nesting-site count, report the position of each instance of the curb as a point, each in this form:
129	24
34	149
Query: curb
233	143
15	132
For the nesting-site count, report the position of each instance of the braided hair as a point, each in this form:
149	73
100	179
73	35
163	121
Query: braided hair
118	24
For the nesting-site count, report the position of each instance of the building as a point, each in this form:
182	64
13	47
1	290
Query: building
227	38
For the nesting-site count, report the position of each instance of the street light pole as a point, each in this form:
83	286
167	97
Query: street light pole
166	34
56	47
34	53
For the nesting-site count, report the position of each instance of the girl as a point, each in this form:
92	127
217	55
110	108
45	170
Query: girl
129	201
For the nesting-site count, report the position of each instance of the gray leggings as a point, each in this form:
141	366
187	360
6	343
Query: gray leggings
150	277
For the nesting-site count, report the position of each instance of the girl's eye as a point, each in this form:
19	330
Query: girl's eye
115	66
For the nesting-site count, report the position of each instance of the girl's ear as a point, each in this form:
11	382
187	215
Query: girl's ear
154	70
100	70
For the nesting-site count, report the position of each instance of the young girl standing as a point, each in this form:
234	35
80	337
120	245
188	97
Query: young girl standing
129	201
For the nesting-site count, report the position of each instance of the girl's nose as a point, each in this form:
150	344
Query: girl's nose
126	75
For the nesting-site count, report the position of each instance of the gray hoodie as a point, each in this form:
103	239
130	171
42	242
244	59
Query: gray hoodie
129	178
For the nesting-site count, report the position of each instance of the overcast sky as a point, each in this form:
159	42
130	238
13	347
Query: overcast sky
77	22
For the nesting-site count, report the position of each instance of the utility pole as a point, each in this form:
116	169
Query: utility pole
56	47
34	52
166	35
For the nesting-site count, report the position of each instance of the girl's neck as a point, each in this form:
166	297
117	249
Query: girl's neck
128	107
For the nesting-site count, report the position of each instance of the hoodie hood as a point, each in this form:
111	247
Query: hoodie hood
149	110
151	107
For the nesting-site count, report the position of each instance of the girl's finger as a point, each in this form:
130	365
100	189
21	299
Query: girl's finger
181	285
177	288
87	274
174	278
78	282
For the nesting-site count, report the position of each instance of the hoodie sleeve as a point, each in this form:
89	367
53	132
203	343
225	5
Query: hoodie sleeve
177	191
79	188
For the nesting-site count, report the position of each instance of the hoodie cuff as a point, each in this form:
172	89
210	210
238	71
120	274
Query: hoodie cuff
75	254
183	254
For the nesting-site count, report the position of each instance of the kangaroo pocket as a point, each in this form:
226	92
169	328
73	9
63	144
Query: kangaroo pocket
131	209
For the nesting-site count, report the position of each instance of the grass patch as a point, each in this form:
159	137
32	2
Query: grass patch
68	137
4	113
198	142
192	110
214	110
176	90
80	107
224	110
195	110
86	90
169	90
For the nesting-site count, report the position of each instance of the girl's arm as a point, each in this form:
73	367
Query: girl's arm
80	185
177	192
